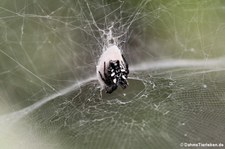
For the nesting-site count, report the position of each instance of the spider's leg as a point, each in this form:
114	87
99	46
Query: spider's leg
111	88
105	71
105	78
127	66
102	77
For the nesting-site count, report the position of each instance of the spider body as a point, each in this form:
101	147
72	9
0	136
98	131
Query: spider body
112	70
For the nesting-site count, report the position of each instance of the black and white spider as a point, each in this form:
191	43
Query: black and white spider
112	69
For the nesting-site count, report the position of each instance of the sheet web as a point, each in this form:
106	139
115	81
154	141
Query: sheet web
49	97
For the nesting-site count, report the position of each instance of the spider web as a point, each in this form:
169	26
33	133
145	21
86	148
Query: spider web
49	95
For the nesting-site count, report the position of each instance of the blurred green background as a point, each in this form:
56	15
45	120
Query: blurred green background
47	45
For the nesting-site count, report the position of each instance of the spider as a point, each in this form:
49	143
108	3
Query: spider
115	74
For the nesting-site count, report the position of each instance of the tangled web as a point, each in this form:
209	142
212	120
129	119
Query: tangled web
49	97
